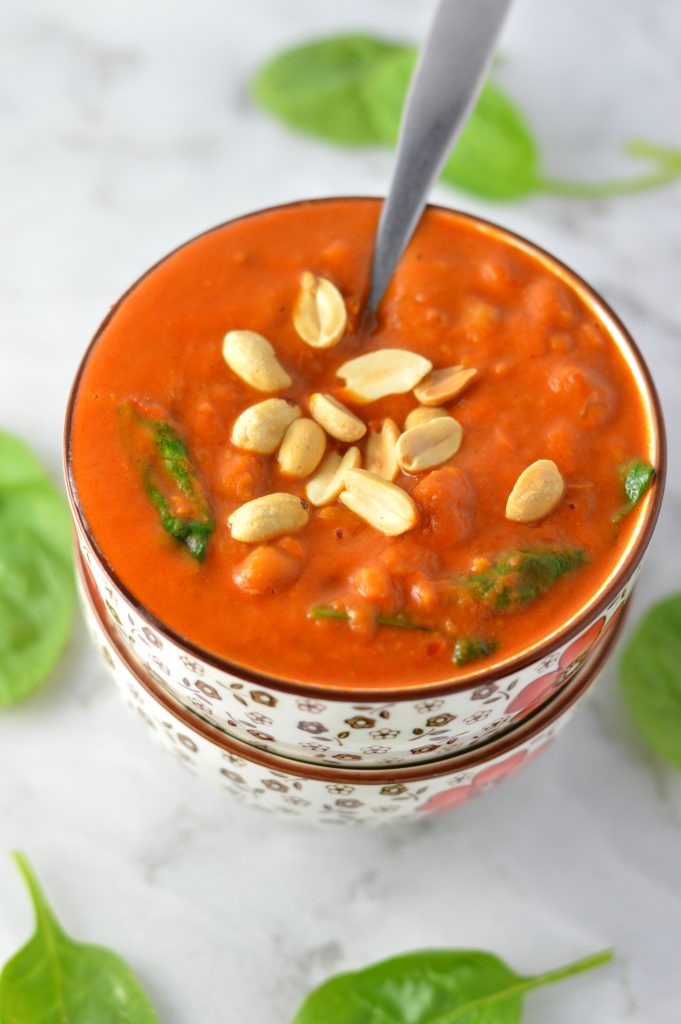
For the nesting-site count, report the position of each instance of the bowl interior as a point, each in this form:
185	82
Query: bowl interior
565	631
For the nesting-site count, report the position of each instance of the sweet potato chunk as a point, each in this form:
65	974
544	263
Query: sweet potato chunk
267	570
447	500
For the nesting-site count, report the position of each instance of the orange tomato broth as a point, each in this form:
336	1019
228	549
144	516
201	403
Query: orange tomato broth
551	384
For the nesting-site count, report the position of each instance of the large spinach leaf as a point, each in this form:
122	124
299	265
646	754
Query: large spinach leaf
54	980
351	89
36	572
431	987
650	669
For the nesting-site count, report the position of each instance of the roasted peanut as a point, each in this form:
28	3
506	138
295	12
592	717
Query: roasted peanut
268	516
379	503
381	457
253	359
422	414
336	419
261	427
428	444
443	385
328	481
388	371
319	313
538	490
302	449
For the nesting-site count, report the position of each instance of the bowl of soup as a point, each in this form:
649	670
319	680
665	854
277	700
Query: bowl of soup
333	794
352	539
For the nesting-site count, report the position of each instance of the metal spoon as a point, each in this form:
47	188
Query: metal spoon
443	89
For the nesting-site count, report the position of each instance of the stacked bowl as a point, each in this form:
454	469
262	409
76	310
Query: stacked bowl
331	793
347	755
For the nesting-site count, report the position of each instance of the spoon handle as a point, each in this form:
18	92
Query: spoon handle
443	89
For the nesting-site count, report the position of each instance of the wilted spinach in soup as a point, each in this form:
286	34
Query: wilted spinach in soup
318	501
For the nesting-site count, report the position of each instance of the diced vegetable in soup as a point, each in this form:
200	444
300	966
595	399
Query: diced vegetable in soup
340	503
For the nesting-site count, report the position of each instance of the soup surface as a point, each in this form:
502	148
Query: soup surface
310	587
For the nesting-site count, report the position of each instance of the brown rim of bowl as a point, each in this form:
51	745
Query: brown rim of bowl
476	677
464	761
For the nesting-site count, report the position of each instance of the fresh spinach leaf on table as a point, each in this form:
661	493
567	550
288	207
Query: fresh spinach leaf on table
55	980
495	156
318	88
650	670
350	89
37	587
431	987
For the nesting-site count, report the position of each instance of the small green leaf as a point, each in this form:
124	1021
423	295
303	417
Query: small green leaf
319	88
637	477
650	670
37	588
431	987
468	649
325	611
169	477
54	980
518	577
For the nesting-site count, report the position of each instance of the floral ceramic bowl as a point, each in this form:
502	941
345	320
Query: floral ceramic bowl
334	795
379	727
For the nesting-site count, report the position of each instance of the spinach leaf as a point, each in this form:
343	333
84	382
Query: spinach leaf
169	477
465	648
37	589
55	980
495	156
325	611
667	159
318	88
431	987
518	577
637	477
650	671
468	649
351	88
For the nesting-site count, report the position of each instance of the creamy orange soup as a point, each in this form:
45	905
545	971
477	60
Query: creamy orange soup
504	503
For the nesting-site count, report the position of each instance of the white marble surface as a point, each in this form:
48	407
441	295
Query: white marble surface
125	129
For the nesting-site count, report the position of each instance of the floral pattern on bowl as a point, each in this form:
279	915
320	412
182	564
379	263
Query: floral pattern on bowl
333	795
335	730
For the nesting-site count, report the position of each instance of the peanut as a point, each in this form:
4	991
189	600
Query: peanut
336	419
428	444
319	313
302	448
538	491
443	385
379	503
253	359
388	371
381	457
328	481
422	414
268	516
261	427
